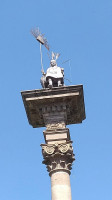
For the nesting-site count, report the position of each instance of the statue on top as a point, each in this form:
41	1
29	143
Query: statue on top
54	77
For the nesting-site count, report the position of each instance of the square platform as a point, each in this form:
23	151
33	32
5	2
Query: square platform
69	99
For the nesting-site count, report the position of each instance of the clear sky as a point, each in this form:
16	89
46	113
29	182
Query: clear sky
81	31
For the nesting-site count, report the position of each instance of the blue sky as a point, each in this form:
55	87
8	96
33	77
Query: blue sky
82	32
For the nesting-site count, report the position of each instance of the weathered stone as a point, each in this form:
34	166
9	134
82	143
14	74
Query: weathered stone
53	136
58	157
60	186
66	102
55	108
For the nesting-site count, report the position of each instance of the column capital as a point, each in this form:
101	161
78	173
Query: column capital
58	157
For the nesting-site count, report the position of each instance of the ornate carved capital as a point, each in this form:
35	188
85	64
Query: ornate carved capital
58	157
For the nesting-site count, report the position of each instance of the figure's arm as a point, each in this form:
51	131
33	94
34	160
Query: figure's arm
43	73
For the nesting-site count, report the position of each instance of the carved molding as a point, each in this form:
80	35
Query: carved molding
57	107
59	135
55	125
58	157
55	120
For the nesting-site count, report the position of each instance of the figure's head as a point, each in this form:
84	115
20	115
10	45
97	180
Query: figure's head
53	63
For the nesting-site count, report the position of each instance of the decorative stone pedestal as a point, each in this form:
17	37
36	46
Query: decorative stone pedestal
55	108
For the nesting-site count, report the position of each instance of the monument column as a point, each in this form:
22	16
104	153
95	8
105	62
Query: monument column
54	109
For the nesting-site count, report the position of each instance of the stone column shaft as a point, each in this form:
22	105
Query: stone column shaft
60	186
